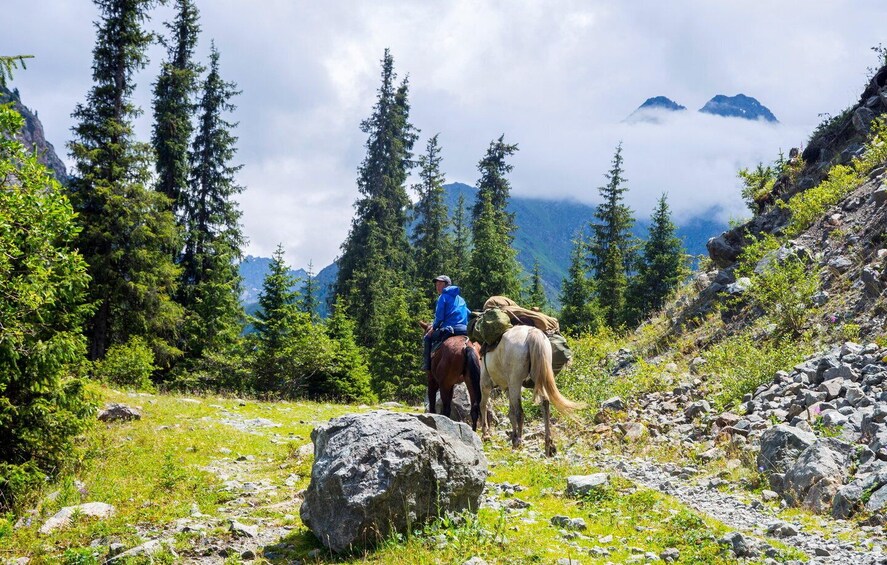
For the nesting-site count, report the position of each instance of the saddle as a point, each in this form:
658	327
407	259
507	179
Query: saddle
436	346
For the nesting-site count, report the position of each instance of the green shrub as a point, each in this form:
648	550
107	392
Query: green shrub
753	252
757	184
740	364
43	283
785	292
128	365
808	206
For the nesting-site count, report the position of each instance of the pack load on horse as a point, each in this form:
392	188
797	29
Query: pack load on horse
500	313
449	356
520	353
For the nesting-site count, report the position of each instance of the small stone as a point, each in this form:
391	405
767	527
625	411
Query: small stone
63	517
117	412
248	555
243	530
670	554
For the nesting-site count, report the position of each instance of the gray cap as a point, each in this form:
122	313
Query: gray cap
445	279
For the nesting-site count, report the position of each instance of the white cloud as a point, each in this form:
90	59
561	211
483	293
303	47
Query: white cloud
556	77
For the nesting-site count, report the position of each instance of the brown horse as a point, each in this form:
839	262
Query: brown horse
457	360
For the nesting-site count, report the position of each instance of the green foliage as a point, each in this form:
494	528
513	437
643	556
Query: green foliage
741	364
785	292
128	228
209	287
128	365
173	105
9	64
494	185
493	270
348	377
757	184
662	265
808	206
587	378
461	243
80	556
376	254
753	252
580	312
612	250
396	360
43	284
535	297
431	241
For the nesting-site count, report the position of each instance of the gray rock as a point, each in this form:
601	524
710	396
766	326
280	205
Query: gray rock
380	472
780	446
741	285
871	281
862	119
723	249
146	549
116	412
62	518
475	561
239	529
580	485
670	554
840	263
615	404
736	542
697	408
817	474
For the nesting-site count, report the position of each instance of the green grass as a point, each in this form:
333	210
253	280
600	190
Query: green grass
154	470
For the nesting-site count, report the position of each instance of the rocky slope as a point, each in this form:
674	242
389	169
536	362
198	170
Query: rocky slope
32	135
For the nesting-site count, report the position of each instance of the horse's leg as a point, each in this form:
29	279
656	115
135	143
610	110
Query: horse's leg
486	386
446	399
432	392
549	444
515	414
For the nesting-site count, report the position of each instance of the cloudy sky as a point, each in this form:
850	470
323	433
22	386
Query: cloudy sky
556	77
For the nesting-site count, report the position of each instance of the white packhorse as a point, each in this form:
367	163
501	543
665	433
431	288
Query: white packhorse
523	353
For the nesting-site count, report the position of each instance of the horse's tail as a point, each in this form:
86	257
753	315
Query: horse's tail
542	373
472	370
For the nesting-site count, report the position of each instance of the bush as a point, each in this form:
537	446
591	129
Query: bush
808	206
785	292
43	406
128	365
740	364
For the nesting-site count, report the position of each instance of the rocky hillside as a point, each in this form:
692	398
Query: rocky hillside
32	135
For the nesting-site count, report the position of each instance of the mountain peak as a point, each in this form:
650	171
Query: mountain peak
739	106
649	110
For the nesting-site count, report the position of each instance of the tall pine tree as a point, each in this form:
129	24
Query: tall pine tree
611	253
308	303
536	293
662	264
376	254
493	269
431	240
210	280
580	312
174	94
461	231
128	228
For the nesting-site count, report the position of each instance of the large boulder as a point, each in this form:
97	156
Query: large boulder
780	446
382	472
63	517
815	477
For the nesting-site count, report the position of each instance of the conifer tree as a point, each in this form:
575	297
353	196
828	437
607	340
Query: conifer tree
662	264
210	280
536	294
376	254
431	241
350	378
461	243
128	228
493	269
611	250
494	184
277	321
580	312
396	361
174	104
308	303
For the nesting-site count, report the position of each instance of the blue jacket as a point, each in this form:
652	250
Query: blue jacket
451	310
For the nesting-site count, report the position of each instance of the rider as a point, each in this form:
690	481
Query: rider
450	316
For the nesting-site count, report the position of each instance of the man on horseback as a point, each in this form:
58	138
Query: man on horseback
450	316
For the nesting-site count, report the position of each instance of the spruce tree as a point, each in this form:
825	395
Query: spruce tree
580	312
611	253
461	243
277	322
493	269
376	253
128	228
396	361
536	293
350	378
431	242
308	303
494	184
174	94
662	264
210	280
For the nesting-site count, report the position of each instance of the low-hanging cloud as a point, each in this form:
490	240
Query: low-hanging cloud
556	78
